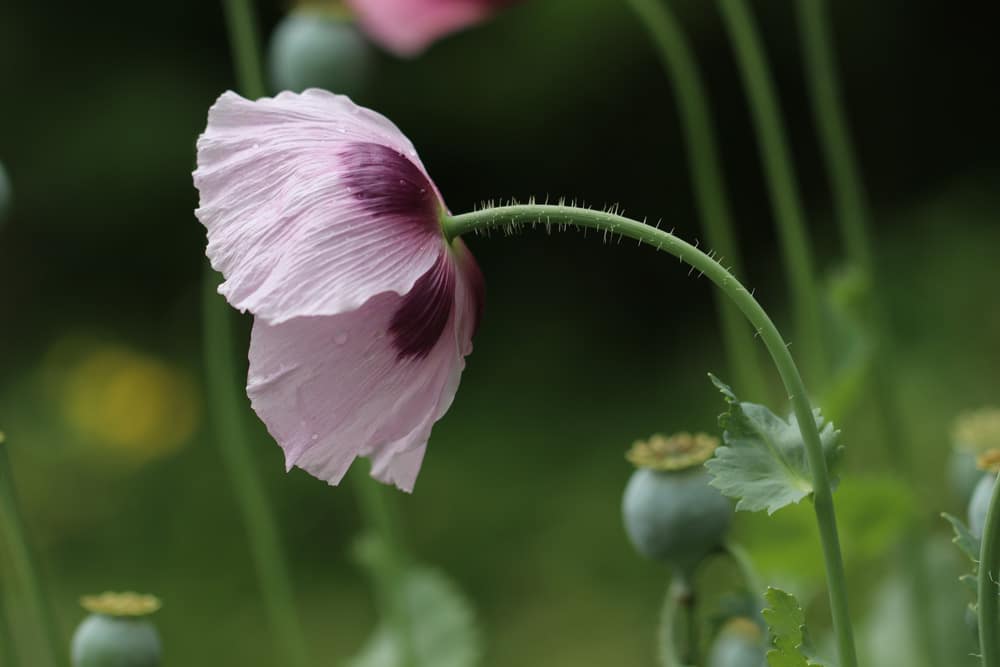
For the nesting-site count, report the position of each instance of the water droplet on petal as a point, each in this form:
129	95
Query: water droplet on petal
315	436
340	338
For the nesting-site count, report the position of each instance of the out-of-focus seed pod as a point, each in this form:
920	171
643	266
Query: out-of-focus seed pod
973	433
311	48
118	632
740	643
963	473
980	503
670	511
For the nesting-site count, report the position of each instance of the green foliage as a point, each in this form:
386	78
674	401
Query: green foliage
425	612
786	623
763	462
873	512
967	543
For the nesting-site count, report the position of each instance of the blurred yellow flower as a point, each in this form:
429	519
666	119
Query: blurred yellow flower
140	407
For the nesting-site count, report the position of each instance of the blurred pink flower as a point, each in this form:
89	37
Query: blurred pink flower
407	27
325	226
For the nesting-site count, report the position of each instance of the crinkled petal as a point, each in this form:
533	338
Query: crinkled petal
407	27
333	388
313	205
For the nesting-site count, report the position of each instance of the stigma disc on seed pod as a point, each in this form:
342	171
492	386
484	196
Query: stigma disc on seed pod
672	453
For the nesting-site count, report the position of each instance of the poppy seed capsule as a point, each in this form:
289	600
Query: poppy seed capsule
671	513
316	49
118	632
740	643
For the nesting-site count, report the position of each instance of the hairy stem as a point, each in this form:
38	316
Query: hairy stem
512	216
707	178
783	186
989	575
24	561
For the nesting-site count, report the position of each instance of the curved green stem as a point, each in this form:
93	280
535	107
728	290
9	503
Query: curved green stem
707	178
782	184
515	216
989	576
23	560
227	410
666	644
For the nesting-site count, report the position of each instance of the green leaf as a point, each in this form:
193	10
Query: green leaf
763	462
439	621
786	623
968	543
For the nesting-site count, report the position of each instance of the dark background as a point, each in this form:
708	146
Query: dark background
584	347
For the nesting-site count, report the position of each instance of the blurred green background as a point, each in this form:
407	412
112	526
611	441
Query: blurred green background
584	347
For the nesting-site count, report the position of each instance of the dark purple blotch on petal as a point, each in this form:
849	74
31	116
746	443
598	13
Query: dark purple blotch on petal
387	183
418	324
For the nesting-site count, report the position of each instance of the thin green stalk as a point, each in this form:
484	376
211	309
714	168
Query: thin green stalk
704	161
989	576
227	409
8	656
23	560
242	26
782	185
378	514
852	213
741	559
835	140
227	404
513	216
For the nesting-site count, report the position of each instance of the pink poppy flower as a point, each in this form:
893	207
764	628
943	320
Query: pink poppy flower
325	226
407	27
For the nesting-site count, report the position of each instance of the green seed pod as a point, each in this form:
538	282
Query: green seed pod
670	511
980	503
740	643
317	49
118	632
6	194
963	473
